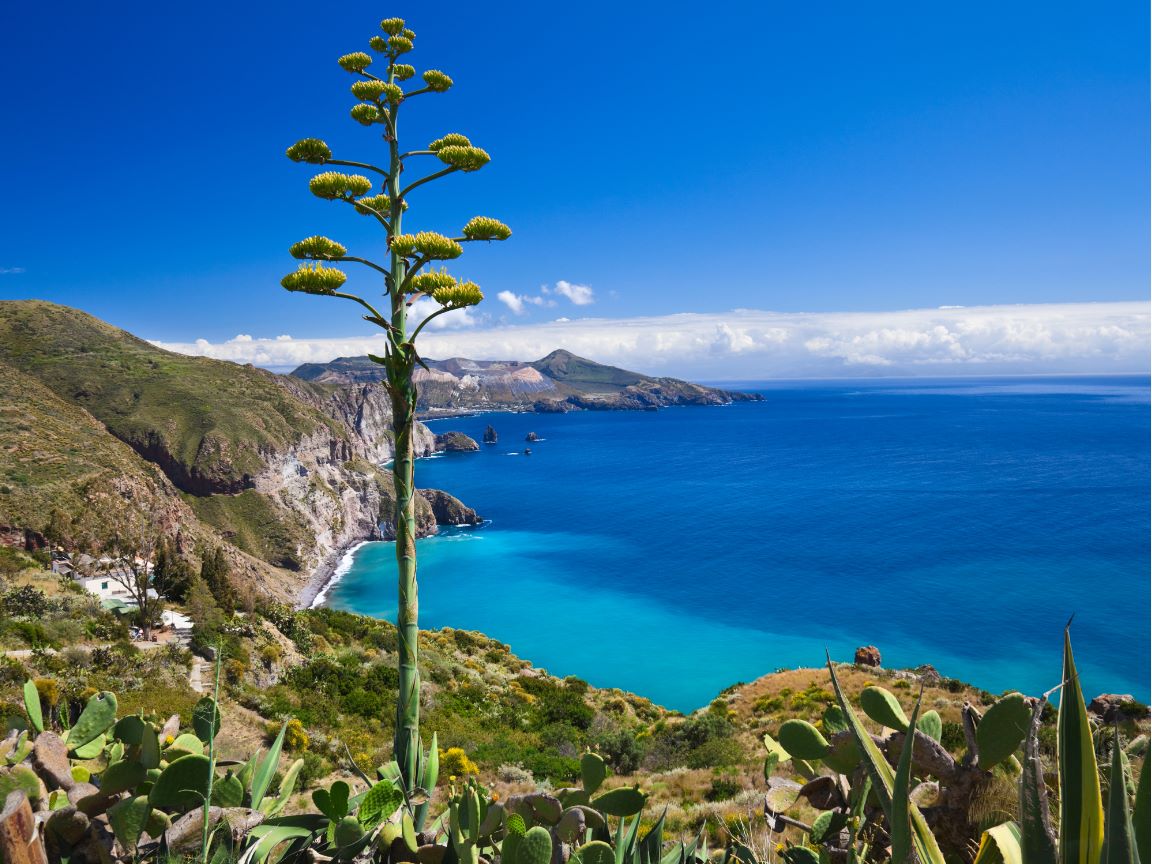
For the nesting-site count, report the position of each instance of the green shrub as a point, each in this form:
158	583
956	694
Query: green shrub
952	737
723	789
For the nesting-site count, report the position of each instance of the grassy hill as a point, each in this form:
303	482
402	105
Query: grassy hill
104	430
204	422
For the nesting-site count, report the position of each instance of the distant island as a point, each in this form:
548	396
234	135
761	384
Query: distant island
557	383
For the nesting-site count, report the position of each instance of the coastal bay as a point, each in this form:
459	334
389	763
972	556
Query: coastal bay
673	553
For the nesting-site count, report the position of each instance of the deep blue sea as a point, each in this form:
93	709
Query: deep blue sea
954	522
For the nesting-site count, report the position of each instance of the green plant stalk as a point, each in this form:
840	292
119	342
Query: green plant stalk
399	365
204	832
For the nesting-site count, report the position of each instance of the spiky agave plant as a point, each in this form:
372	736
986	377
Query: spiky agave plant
405	278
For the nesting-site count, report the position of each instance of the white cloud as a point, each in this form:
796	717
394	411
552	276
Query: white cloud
11	271
580	295
512	301
751	344
518	302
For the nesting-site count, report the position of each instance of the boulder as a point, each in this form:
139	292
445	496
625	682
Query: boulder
50	759
490	436
531	436
1109	707
867	655
448	509
455	442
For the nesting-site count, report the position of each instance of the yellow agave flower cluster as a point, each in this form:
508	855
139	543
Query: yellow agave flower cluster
357	61
314	279
372	91
366	114
429	283
334	185
463	158
445	290
379	204
486	228
458	295
427	244
403	71
437	80
452	139
317	247
310	150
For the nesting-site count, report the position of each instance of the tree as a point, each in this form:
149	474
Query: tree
172	570
216	573
133	568
405	279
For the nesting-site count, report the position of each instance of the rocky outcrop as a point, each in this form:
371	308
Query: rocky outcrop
1112	707
868	655
531	437
448	509
490	436
455	442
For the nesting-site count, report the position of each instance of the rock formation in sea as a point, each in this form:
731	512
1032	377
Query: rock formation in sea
867	655
455	442
449	510
531	436
490	436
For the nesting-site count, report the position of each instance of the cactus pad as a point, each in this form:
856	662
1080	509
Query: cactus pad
98	715
535	847
883	708
592	772
1002	730
931	725
802	740
621	802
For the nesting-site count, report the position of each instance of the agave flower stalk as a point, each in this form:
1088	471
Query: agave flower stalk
404	279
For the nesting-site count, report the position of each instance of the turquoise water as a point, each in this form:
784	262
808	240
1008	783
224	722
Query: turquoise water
958	523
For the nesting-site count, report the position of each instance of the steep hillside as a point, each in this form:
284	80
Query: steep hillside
559	382
286	471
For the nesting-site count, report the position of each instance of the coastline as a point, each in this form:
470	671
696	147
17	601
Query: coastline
329	572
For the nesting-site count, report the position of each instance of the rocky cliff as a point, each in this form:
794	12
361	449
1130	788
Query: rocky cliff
282	471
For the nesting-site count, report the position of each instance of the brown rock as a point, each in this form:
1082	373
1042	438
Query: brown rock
1108	706
867	655
50	759
67	825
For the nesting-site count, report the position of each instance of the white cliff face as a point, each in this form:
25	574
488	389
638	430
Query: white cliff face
326	480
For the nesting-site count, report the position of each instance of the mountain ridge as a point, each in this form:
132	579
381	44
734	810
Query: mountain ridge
558	382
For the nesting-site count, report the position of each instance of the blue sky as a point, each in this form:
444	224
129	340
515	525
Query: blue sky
651	159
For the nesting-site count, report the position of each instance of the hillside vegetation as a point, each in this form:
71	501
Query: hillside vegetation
104	432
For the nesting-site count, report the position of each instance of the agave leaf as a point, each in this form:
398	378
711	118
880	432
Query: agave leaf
1142	815
1119	835
1000	845
287	786
266	770
265	838
1081	808
923	842
901	817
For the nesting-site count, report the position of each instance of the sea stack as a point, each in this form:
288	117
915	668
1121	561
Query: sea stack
531	436
490	435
